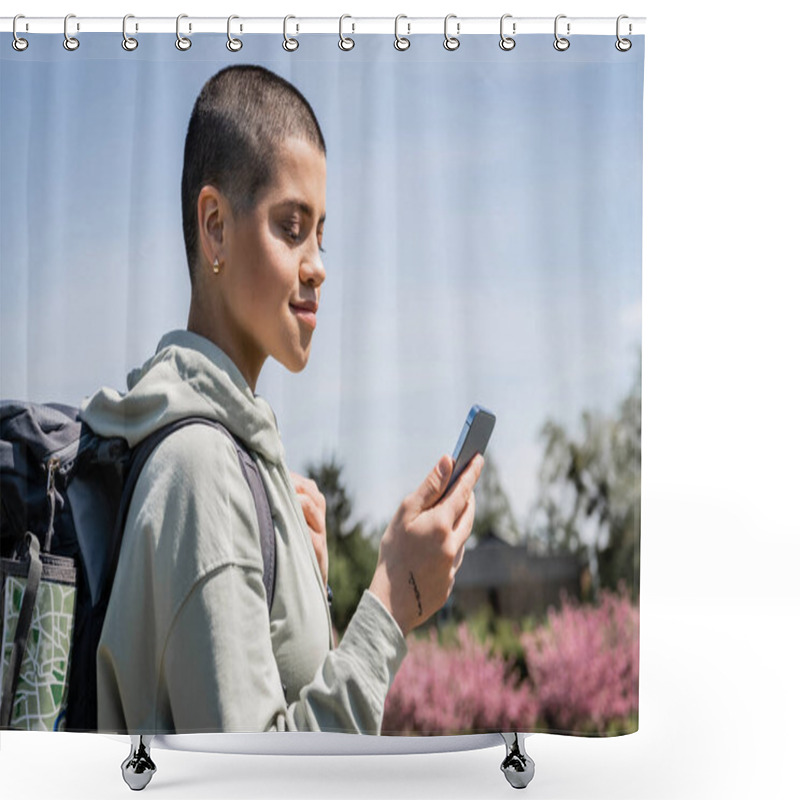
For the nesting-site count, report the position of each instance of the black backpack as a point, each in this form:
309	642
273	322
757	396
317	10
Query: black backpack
64	497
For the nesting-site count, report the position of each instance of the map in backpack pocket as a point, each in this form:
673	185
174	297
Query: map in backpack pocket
40	699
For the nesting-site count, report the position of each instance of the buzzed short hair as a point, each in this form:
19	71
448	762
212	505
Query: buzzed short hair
240	118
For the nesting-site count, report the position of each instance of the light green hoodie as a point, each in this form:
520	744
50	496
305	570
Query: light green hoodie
188	643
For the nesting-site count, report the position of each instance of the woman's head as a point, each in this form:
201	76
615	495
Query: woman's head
239	120
253	215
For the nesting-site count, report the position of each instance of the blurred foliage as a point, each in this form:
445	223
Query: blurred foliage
352	554
493	512
500	635
577	672
590	491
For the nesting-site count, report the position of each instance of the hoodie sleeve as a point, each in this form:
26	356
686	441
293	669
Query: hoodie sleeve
218	671
221	675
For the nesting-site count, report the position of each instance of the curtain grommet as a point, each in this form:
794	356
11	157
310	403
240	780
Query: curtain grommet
345	42
70	43
233	44
400	42
623	45
451	43
561	43
507	42
18	43
182	42
129	43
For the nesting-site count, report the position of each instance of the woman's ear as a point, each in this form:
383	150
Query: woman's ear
211	213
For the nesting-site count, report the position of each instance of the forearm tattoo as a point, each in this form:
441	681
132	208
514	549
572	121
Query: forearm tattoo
413	583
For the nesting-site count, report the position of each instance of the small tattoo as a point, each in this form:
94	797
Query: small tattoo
413	583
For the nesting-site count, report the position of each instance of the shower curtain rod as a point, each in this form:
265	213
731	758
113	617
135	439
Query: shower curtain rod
457	26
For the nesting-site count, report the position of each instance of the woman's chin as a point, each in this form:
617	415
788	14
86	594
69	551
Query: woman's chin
297	361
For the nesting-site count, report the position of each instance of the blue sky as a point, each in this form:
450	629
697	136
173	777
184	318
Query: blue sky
483	237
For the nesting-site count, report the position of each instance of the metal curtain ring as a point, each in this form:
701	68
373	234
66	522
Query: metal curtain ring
507	42
70	42
128	42
345	43
288	43
19	44
451	42
623	45
233	44
182	43
400	42
561	43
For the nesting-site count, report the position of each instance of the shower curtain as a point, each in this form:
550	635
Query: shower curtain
482	245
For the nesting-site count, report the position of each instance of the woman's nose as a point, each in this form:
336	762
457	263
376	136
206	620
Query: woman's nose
312	269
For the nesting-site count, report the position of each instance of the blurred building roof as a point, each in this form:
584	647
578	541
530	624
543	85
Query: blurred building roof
512	580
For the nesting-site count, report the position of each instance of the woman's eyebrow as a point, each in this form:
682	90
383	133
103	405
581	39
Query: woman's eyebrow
302	206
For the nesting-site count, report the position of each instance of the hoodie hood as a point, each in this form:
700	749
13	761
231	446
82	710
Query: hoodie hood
188	376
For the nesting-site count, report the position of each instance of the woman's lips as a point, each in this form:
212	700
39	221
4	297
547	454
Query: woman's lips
306	313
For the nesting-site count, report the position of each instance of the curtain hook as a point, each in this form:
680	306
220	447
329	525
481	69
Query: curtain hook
451	42
561	43
182	43
128	42
623	45
70	42
507	42
19	44
233	44
400	42
345	43
288	43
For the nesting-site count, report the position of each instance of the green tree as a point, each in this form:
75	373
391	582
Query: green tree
591	491
352	555
492	508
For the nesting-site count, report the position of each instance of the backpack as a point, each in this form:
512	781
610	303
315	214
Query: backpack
64	496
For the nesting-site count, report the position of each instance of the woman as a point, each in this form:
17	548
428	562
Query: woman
189	643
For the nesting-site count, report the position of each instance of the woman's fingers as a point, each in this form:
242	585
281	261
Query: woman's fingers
312	501
430	491
463	526
458	499
304	485
314	515
459	559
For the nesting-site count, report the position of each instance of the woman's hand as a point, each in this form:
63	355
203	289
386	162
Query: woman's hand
423	546
312	501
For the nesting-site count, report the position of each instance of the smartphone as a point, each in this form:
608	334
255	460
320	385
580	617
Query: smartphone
474	438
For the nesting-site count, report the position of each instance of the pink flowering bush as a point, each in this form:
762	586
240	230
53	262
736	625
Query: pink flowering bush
449	690
582	676
584	666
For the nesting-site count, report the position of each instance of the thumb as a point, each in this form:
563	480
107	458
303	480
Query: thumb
432	488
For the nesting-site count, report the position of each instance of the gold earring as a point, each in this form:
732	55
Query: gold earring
216	266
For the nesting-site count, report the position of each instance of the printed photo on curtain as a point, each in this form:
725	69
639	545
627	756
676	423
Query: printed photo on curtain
250	302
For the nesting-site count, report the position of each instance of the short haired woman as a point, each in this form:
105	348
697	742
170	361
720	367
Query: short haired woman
189	642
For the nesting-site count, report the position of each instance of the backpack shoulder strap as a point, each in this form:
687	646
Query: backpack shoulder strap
263	512
250	472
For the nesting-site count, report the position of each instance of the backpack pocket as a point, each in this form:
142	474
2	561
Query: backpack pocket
37	611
